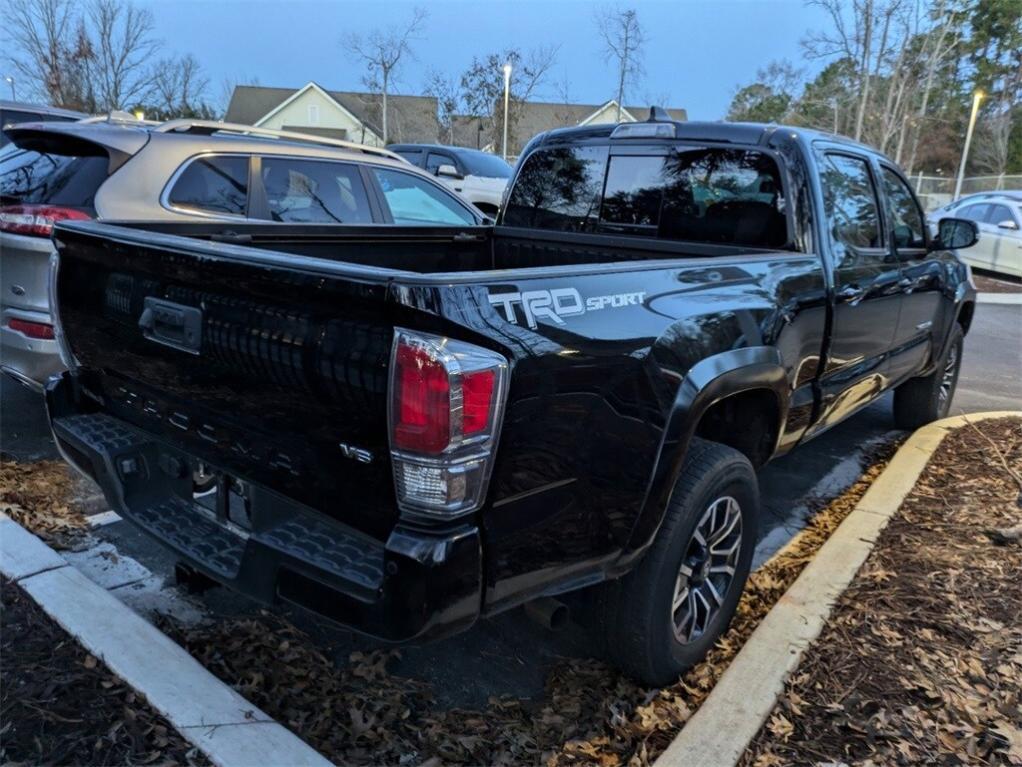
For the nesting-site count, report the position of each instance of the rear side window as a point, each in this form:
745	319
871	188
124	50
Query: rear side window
213	185
975	212
851	203
312	191
906	217
559	189
416	202
27	176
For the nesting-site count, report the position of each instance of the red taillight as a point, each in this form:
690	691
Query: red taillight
36	220
446	405
32	329
423	398
477	394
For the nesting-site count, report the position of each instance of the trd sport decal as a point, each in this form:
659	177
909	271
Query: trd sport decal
559	303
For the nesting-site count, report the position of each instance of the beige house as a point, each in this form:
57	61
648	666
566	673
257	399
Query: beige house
338	114
356	117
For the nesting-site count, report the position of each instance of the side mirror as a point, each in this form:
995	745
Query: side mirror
449	171
1007	224
955	234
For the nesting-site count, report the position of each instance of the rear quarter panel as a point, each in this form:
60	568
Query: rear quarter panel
598	360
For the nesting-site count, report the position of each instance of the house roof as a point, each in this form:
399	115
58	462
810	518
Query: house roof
410	118
539	117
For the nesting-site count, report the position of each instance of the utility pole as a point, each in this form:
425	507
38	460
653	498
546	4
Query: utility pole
507	98
976	98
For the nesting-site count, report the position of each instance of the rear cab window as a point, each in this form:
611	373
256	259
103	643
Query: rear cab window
217	184
688	194
50	178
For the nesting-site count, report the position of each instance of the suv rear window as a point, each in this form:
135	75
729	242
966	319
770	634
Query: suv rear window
27	176
704	195
214	185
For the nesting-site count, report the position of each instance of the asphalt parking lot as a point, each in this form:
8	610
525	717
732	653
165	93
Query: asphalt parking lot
510	654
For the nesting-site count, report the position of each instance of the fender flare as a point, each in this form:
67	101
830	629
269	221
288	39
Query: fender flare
708	382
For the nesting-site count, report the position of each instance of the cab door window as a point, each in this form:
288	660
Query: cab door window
850	202
907	223
434	161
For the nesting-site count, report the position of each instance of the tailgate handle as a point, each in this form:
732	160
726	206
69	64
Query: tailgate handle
173	325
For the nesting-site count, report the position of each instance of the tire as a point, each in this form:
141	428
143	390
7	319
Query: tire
922	400
638	616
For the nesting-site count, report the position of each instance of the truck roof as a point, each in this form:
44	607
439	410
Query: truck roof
719	131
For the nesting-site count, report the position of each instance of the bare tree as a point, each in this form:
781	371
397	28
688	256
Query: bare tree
867	37
993	143
482	86
124	50
623	39
382	52
179	87
40	33
445	91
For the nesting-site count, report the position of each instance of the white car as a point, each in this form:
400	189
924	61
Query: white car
479	177
998	215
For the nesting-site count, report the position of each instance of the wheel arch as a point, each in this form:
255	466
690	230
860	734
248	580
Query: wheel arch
715	392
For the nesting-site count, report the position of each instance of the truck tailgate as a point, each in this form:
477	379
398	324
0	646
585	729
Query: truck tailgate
271	368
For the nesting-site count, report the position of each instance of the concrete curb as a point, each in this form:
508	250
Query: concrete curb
209	714
733	713
1004	299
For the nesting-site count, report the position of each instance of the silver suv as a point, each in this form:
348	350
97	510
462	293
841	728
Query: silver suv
183	169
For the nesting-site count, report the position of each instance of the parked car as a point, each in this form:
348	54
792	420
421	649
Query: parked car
14	112
998	215
410	432
181	171
479	177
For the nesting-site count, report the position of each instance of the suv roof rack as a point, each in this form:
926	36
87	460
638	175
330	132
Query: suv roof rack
209	127
117	117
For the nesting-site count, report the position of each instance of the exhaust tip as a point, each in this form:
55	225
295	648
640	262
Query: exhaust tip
548	612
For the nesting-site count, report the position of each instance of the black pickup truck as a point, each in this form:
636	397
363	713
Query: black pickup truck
406	430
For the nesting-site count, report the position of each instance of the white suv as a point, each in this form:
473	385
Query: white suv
479	177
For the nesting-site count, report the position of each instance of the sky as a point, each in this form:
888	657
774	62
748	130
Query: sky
696	53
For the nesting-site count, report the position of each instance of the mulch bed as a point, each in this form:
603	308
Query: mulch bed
59	705
42	497
921	661
589	714
986	283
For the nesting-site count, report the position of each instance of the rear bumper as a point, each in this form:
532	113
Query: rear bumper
413	586
30	360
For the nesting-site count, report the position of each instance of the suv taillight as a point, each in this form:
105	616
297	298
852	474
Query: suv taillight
446	407
36	220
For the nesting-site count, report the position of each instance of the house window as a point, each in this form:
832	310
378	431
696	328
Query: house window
313	114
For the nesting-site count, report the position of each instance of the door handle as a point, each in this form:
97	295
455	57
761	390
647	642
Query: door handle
851	294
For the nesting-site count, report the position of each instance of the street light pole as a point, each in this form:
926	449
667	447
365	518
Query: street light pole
507	98
976	98
10	81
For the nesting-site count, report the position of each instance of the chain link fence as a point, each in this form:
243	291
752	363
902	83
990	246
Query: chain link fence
935	191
